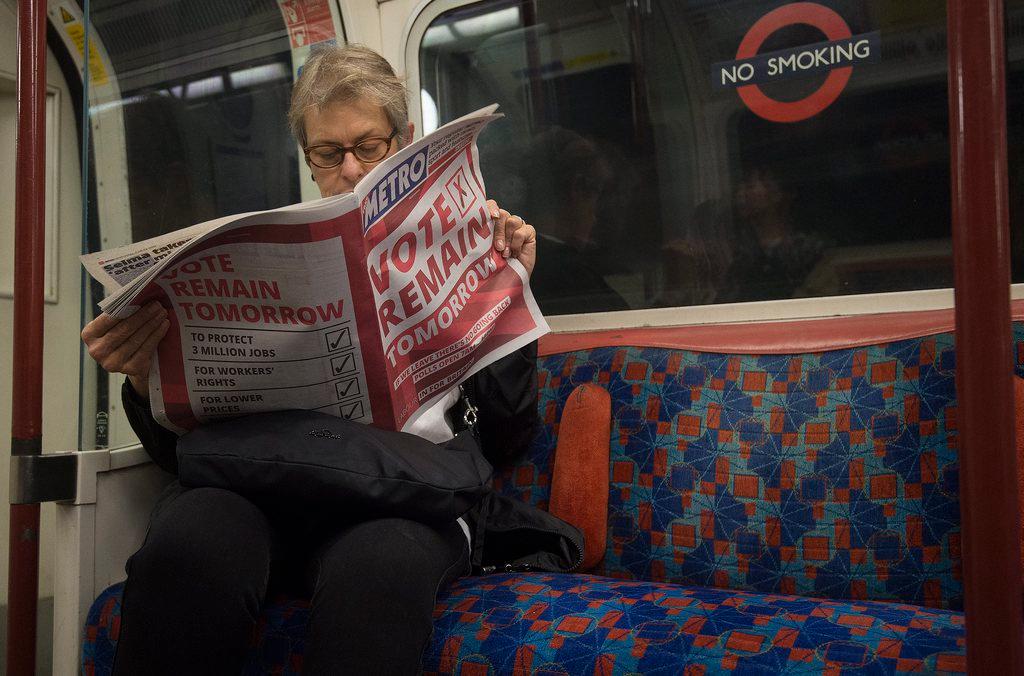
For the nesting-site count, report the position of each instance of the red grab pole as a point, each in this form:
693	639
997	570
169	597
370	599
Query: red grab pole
26	428
984	359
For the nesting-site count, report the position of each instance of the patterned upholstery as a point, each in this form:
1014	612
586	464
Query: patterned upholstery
279	641
830	474
102	626
740	486
583	624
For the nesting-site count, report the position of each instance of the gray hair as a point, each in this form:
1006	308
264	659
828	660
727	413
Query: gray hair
343	75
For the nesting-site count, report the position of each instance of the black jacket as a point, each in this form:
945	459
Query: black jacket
508	534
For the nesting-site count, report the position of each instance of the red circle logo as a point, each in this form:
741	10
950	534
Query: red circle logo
811	14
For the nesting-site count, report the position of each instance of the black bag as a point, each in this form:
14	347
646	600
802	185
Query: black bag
306	457
512	536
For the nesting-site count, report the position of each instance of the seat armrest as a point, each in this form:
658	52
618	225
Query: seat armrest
580	476
92	463
67	477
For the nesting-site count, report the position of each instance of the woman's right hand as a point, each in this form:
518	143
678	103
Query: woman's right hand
127	345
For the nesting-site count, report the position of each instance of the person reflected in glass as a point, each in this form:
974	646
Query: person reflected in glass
771	259
566	176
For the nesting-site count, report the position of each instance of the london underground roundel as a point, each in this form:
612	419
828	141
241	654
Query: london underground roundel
835	56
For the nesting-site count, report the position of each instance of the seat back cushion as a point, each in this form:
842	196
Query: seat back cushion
829	474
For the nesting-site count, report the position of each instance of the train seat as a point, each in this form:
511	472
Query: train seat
783	497
585	624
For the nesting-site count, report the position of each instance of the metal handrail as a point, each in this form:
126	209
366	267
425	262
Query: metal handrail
27	414
985	412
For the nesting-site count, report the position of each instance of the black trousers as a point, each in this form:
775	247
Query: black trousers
195	588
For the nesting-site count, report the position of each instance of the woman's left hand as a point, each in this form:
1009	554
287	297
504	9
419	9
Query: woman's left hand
513	237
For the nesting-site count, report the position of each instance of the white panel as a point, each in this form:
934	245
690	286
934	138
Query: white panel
124	500
73	584
8	132
95	540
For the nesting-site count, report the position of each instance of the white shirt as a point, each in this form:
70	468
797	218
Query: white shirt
433	425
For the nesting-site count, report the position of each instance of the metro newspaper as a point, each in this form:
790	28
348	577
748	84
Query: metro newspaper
368	305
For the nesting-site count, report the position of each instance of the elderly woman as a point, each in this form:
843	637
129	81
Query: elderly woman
195	588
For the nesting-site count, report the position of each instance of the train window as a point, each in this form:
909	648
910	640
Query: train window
187	120
203	94
694	153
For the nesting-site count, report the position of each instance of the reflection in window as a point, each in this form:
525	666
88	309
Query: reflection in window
651	187
204	93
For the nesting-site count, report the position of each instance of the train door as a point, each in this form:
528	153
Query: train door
62	284
185	122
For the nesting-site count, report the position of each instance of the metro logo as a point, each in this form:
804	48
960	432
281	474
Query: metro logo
395	185
836	56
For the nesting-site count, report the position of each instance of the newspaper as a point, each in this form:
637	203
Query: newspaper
369	305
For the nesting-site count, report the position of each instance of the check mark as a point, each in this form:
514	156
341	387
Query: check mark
347	387
338	339
351	411
343	363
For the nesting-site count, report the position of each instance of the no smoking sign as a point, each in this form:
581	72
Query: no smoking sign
836	56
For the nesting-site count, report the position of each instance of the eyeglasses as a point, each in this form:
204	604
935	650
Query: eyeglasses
367	151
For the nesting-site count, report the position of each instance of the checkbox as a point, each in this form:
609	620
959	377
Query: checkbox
338	339
342	364
352	411
347	388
